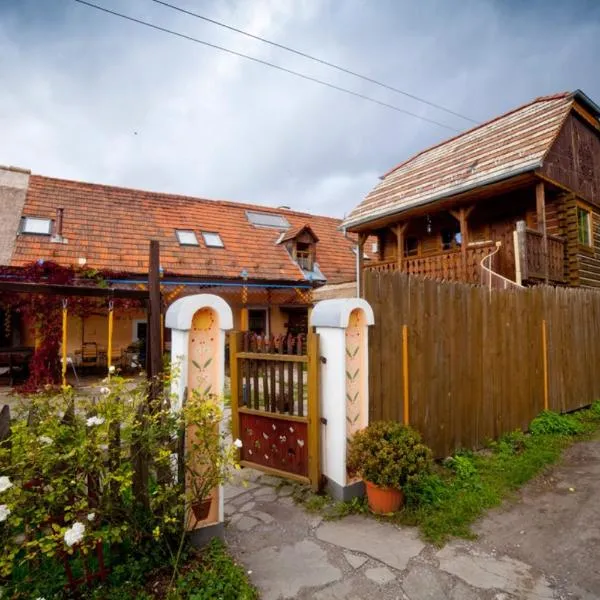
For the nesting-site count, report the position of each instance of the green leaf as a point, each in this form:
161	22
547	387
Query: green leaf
197	365
207	363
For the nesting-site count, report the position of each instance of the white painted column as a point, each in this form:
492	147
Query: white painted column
342	325
198	324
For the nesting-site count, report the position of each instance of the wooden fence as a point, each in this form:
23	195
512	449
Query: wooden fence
479	363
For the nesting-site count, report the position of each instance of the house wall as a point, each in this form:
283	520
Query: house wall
13	189
574	159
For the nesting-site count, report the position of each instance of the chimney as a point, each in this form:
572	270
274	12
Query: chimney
57	237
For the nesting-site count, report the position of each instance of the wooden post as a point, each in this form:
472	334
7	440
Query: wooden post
405	373
400	230
360	261
64	345
244	320
545	360
314	419
461	216
110	336
154	359
540	205
234	338
520	242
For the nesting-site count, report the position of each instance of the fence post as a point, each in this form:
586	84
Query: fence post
314	424
405	373
342	326
200	359
234	373
520	242
545	359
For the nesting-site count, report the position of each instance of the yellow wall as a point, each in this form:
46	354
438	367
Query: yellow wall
95	329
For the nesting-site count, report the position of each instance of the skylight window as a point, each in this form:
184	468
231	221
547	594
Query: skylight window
212	240
186	237
36	225
267	220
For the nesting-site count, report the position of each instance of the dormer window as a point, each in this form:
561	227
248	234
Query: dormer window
36	225
301	243
304	255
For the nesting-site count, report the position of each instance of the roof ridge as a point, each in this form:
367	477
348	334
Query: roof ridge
231	203
556	96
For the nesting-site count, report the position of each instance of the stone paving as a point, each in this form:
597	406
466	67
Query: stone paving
291	553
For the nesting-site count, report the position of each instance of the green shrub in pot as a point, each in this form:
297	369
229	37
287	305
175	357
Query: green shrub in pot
388	454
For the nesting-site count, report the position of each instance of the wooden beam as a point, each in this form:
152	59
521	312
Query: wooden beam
154	314
540	207
18	287
461	215
362	238
400	231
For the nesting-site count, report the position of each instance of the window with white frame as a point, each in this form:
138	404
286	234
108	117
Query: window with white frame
186	237
212	239
36	225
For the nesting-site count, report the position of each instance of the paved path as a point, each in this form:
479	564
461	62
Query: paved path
524	552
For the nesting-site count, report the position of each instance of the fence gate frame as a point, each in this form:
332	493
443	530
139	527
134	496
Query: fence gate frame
246	358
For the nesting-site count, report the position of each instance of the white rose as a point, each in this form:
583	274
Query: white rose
104	390
47	441
111	369
4	512
94	421
4	483
238	443
91	516
75	534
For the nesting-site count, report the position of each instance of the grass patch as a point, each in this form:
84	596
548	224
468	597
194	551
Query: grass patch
210	574
445	502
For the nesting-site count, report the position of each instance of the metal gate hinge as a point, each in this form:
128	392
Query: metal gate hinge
323	421
323	360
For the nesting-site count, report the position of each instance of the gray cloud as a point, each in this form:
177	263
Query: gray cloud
76	85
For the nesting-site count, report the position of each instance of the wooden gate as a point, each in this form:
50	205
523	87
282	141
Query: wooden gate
275	403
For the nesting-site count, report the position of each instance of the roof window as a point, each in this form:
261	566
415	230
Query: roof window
267	220
186	237
36	225
212	240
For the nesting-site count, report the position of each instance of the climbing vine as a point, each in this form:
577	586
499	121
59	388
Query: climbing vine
44	312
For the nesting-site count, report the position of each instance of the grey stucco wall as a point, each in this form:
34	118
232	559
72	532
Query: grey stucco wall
13	189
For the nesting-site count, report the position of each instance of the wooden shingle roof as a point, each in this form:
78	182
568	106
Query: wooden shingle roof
511	144
110	227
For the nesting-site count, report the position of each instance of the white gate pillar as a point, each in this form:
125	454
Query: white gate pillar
342	325
198	324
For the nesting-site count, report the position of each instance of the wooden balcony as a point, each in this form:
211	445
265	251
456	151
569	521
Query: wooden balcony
533	263
446	265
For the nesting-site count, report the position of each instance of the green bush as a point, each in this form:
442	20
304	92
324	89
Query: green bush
388	454
552	423
59	445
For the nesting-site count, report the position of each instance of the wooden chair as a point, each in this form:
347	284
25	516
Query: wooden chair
89	355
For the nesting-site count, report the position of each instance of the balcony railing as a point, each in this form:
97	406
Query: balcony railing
446	265
534	266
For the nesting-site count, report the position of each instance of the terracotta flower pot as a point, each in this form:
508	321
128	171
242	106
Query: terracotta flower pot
201	508
384	500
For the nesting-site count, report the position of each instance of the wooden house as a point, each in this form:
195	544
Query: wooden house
514	201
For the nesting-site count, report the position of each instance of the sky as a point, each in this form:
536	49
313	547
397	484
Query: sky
85	95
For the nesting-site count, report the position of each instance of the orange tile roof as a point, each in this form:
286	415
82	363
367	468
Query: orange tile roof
509	144
111	226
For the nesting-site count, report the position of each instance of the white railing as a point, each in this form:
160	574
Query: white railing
490	278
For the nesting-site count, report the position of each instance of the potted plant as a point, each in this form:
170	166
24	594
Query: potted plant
387	455
208	458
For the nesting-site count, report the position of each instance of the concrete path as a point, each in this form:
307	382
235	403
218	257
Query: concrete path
523	552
